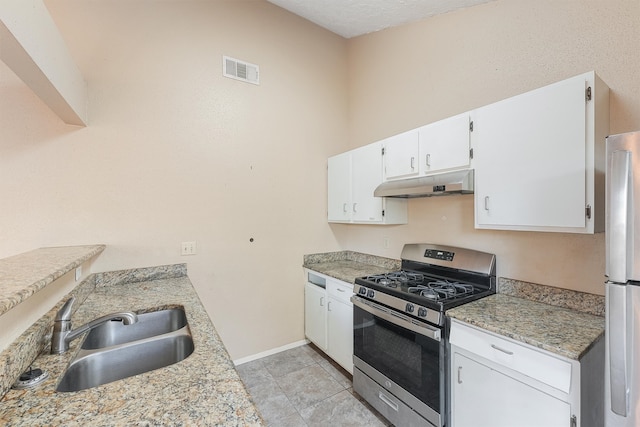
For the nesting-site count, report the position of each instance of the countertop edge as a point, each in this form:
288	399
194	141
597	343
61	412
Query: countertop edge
16	289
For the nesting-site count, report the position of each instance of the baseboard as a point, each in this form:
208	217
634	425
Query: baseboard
270	352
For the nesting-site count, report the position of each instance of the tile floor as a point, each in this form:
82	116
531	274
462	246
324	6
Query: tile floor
303	387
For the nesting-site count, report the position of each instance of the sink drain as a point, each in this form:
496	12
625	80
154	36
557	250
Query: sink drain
30	378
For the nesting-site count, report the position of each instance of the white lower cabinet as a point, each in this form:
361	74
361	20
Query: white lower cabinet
496	381
328	315
340	324
486	397
315	314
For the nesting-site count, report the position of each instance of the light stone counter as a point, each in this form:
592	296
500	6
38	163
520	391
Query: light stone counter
25	274
562	331
202	390
348	265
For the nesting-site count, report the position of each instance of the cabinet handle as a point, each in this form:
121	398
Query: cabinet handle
344	207
340	290
495	347
459	374
321	301
388	401
329	306
428	159
354	207
486	203
413	161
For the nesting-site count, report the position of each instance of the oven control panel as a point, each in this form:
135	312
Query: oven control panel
424	313
438	254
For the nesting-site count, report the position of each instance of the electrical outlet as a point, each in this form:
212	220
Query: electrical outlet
78	272
385	242
188	248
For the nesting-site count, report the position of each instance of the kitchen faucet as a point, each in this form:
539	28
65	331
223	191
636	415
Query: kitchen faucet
63	335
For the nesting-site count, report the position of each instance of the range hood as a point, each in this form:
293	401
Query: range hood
458	182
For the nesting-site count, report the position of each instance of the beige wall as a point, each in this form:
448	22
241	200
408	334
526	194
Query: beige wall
419	73
175	152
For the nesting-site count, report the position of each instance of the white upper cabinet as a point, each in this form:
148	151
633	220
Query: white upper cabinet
366	175
539	158
352	178
401	155
444	145
339	187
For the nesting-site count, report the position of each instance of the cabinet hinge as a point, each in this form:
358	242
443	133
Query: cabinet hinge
588	94
587	211
471	153
573	421
382	212
471	126
383	151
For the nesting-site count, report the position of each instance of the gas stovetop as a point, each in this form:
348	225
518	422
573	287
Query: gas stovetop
433	279
421	286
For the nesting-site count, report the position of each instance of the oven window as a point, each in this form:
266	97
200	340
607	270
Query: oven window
409	359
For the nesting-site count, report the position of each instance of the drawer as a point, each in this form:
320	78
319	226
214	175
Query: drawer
341	291
540	365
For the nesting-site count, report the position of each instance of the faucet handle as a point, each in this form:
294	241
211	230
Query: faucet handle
64	313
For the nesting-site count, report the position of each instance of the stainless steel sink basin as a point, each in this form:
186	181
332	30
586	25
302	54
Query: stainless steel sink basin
148	325
115	363
119	351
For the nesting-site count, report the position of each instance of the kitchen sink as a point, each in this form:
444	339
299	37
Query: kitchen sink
126	360
148	325
114	351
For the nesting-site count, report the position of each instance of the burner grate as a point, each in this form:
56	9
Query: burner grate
440	290
393	280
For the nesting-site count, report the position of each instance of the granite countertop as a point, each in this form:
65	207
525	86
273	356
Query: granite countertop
561	331
348	265
204	389
25	274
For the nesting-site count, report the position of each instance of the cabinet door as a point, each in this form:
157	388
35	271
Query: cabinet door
366	164
483	397
340	332
401	155
339	188
444	145
530	159
315	315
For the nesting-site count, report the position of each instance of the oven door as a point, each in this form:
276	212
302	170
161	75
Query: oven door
401	354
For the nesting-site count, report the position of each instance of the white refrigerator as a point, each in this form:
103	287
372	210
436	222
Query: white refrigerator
622	360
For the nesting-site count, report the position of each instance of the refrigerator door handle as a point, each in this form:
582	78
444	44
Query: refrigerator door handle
616	318
618	193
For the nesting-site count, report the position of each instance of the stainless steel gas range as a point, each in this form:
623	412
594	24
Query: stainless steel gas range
400	330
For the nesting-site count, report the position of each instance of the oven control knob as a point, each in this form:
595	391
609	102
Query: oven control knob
371	294
422	312
363	291
409	308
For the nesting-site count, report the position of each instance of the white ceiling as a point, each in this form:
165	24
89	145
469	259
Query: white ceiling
351	18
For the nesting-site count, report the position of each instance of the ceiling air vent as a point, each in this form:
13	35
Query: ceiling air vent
240	70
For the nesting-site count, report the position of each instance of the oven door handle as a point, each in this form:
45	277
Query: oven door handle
396	318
